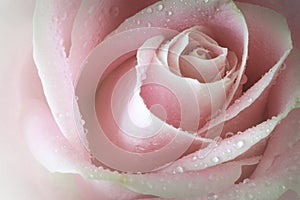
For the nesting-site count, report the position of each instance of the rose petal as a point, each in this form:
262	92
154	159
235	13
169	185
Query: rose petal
215	16
229	148
286	91
46	142
50	59
270	38
255	98
185	184
290	9
94	20
86	91
282	176
50	53
241	106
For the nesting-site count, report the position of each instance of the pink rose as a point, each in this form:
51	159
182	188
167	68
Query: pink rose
184	99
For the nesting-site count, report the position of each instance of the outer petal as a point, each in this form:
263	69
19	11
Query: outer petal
248	109
50	59
94	20
52	39
268	40
290	9
286	91
22	177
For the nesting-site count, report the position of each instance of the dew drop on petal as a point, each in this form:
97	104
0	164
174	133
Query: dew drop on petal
194	158
149	10
170	13
246	180
229	134
250	100
239	144
215	159
160	7
283	187
212	196
178	169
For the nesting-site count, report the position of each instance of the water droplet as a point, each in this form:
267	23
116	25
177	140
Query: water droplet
283	66
138	22
215	159
283	187
250	100
170	13
237	101
86	131
149	10
194	158
246	180
205	1
149	24
82	122
76	98
239	144
229	134
114	11
212	196
178	169
160	7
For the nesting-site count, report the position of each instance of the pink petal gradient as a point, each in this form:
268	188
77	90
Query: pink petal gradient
287	134
248	109
59	73
289	9
215	16
51	58
22	177
94	20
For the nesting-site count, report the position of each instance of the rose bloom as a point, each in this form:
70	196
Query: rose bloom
179	99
